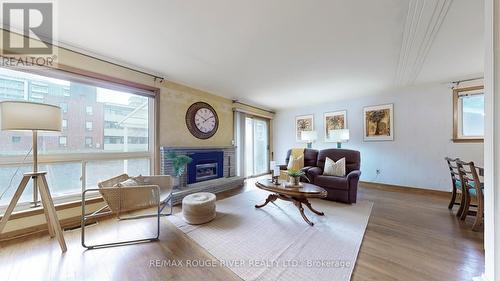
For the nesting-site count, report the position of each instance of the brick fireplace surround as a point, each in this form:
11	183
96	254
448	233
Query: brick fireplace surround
228	181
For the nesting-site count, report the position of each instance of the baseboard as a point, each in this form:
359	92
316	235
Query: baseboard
402	188
42	229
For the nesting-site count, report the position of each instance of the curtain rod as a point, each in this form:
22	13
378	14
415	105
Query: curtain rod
113	63
249	105
50	42
454	84
467	80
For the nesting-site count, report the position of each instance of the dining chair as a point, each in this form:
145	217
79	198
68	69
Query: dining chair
472	190
456	184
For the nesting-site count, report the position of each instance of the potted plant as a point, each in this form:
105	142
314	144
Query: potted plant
179	163
295	176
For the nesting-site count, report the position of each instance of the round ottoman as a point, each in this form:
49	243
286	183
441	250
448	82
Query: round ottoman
198	208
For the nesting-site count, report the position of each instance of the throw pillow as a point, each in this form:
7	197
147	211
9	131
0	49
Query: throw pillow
127	183
333	168
140	180
295	163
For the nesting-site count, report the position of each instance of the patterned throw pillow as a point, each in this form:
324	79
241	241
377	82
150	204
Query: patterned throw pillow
295	163
333	168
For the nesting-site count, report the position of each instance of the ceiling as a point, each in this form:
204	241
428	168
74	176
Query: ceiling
283	53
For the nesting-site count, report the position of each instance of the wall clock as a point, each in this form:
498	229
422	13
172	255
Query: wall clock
202	120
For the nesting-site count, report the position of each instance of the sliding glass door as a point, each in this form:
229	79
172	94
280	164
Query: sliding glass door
256	146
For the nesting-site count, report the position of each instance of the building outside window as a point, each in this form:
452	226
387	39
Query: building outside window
38	91
88	125
88	141
118	118
12	89
63	141
64	107
89	110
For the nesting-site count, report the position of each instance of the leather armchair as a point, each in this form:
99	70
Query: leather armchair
342	189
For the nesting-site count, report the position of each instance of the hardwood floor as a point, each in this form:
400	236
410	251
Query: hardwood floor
410	236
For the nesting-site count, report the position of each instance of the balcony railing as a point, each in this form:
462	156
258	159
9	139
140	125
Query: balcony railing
69	174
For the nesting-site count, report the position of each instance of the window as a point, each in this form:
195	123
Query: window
468	114
63	141
117	139
113	140
64	107
38	91
88	125
11	89
112	125
88	141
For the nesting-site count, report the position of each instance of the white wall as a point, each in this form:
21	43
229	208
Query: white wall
422	137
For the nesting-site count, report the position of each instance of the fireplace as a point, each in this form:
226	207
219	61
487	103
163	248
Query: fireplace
205	166
206	171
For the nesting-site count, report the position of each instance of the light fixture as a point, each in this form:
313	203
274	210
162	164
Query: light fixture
309	137
30	116
339	136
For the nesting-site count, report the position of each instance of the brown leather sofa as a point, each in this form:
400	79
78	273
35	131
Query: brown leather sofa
341	189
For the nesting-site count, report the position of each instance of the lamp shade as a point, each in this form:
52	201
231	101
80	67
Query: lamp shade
27	116
341	135
309	136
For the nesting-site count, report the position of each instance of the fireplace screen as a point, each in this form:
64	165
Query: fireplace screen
206	171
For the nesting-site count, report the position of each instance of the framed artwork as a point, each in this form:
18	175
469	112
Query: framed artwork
378	123
334	121
303	123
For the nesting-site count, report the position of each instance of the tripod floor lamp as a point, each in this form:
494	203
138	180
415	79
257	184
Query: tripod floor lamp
29	116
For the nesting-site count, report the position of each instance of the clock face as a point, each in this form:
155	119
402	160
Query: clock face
202	120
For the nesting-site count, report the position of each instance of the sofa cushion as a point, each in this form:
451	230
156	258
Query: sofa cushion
331	182
333	168
352	158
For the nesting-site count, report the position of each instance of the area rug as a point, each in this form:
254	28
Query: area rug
275	243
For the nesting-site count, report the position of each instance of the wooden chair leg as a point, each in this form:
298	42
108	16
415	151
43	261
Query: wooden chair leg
465	211
479	216
462	204
453	198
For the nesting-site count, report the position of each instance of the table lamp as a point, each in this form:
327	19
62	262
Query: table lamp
30	116
309	137
339	136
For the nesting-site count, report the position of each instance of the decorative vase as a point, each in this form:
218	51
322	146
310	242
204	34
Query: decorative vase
295	181
176	182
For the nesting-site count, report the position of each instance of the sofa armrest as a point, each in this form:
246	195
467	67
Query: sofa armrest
352	181
314	171
353	175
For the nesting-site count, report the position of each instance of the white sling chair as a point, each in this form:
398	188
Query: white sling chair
156	192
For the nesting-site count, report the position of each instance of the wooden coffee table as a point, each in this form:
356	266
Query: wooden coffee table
296	195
